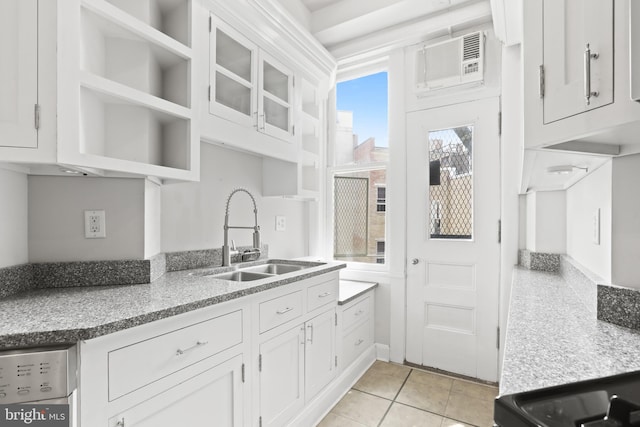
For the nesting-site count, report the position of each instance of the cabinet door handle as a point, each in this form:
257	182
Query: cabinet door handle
588	56
120	423
326	294
359	312
180	352
360	341
310	339
284	310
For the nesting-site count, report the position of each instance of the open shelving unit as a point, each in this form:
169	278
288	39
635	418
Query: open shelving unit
312	138
128	76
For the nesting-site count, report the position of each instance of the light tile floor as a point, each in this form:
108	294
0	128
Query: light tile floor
390	395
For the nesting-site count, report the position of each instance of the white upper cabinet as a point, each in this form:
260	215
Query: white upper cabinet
275	112
250	88
233	75
18	73
577	77
258	58
578	57
115	82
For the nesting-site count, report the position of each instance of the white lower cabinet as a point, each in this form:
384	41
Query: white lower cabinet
357	327
281	367
211	398
294	366
261	360
320	354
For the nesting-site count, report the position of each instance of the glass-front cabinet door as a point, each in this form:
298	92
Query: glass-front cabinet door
233	75
275	99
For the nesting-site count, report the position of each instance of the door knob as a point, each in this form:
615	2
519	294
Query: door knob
415	261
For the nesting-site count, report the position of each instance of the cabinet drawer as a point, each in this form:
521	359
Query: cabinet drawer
322	294
356	313
147	361
355	342
280	310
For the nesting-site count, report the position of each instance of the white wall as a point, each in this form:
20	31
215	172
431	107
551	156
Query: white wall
152	222
56	218
546	225
551	229
583	199
511	145
13	218
193	213
625	222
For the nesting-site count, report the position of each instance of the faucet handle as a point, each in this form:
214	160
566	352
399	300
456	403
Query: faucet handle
233	245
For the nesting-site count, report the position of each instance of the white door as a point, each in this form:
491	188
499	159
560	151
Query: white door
569	26
18	73
453	208
210	399
320	363
282	377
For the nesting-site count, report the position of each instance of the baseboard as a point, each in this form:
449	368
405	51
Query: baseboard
383	352
320	406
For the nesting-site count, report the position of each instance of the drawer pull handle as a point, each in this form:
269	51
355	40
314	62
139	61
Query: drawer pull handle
120	423
326	294
286	310
359	312
180	352
360	341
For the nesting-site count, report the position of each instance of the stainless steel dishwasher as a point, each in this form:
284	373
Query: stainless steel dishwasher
40	376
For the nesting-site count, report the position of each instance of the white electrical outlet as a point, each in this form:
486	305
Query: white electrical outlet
94	225
281	223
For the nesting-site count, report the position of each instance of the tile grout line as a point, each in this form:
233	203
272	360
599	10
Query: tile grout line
395	397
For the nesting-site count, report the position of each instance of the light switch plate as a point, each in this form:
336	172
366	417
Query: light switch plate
95	224
281	223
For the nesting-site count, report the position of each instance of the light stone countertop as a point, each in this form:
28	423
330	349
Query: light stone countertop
66	315
352	289
553	338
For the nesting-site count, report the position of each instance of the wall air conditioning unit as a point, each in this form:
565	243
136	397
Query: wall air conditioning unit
454	62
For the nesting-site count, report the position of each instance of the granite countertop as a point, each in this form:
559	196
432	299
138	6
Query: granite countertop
553	337
352	289
66	315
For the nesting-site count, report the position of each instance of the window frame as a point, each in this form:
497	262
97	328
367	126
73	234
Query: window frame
381	65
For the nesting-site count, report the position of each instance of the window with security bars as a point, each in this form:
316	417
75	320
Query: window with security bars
358	232
357	163
451	183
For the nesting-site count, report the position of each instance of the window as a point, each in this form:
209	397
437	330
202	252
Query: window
451	183
381	203
358	166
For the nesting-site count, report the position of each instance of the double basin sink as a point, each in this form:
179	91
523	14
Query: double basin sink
258	272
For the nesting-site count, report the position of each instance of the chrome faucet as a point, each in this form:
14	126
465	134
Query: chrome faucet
226	251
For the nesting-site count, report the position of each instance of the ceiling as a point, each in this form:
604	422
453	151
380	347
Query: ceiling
313	5
349	28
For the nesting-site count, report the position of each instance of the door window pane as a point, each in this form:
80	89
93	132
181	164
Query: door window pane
233	56
451	183
359	229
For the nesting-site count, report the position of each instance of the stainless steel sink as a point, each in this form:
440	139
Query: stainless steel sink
255	272
241	276
275	268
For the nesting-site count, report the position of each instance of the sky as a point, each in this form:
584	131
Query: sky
367	97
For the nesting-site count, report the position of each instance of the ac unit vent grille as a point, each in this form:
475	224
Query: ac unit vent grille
471	47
